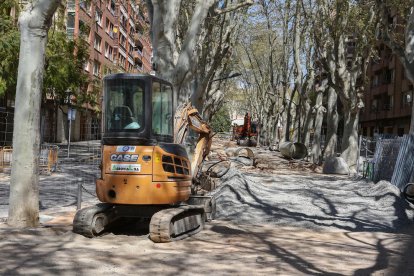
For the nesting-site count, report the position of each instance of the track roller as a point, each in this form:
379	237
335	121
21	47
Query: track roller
91	221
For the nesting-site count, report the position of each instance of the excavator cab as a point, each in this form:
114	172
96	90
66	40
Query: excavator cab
137	109
145	172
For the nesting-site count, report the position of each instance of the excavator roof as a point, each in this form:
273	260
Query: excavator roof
134	76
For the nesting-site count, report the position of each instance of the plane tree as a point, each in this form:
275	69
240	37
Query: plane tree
344	33
34	23
191	41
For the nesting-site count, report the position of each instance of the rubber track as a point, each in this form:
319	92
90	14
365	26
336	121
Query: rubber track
160	225
82	222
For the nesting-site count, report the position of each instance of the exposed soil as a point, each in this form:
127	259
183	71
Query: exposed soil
276	217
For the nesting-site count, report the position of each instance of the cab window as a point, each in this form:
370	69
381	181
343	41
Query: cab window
162	115
124	105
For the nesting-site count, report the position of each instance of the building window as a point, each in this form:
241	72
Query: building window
374	105
98	17
389	76
86	5
123	21
70	25
122	41
97	43
108	52
130	49
406	99
139	49
375	81
122	60
86	66
96	68
389	102
109	28
111	6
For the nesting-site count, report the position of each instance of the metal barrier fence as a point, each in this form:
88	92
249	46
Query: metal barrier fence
404	168
60	175
366	152
385	158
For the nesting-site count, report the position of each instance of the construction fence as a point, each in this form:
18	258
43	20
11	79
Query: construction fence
61	167
390	159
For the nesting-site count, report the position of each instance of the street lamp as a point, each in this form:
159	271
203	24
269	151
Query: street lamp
71	115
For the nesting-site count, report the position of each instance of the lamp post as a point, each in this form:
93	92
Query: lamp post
68	93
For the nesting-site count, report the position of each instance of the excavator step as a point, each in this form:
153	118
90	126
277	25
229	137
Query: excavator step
176	223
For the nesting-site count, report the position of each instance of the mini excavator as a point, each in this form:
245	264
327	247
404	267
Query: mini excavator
146	173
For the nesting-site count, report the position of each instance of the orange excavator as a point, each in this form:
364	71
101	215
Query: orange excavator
146	172
246	134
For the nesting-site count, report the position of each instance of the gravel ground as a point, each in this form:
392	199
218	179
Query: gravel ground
318	202
362	229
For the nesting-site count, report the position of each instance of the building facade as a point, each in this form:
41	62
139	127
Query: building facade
117	34
388	97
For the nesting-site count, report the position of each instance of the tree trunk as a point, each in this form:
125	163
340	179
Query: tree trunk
284	131
24	184
307	123
289	117
350	138
332	124
316	147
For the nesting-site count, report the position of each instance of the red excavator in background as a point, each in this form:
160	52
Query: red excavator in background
246	134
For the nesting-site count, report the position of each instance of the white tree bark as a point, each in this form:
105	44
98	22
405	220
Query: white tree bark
176	54
319	111
350	139
332	124
34	24
346	69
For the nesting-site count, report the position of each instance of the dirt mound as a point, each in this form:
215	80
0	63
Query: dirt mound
315	202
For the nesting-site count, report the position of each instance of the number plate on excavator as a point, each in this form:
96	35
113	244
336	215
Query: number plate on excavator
126	167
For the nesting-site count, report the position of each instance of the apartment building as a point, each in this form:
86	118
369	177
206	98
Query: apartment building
117	34
388	97
115	31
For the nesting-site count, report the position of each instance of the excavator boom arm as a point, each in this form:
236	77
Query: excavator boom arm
187	117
